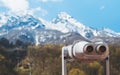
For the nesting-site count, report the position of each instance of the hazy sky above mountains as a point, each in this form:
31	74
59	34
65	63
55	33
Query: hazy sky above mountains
93	13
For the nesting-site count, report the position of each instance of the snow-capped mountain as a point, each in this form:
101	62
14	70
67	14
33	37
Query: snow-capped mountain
66	23
18	22
29	28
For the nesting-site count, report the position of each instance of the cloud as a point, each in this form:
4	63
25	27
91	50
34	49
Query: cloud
50	0
43	12
16	5
21	7
102	7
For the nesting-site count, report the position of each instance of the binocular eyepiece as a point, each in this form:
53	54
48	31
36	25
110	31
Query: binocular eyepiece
88	48
101	49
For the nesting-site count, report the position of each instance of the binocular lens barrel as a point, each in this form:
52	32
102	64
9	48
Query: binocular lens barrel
101	49
89	49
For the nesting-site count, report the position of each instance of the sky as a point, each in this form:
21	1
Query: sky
93	13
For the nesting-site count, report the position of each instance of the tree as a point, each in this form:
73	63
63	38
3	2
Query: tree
46	59
95	68
4	42
75	71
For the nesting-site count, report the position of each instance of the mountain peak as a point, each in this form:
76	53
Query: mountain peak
64	15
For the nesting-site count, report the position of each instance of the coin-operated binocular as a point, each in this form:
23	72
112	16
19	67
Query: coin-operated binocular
84	51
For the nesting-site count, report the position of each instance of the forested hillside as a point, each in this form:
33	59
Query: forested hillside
46	60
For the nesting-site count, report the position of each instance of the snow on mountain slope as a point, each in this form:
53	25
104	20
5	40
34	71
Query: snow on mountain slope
19	22
65	23
3	20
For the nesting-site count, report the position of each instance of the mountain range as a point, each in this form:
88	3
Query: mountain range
62	29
